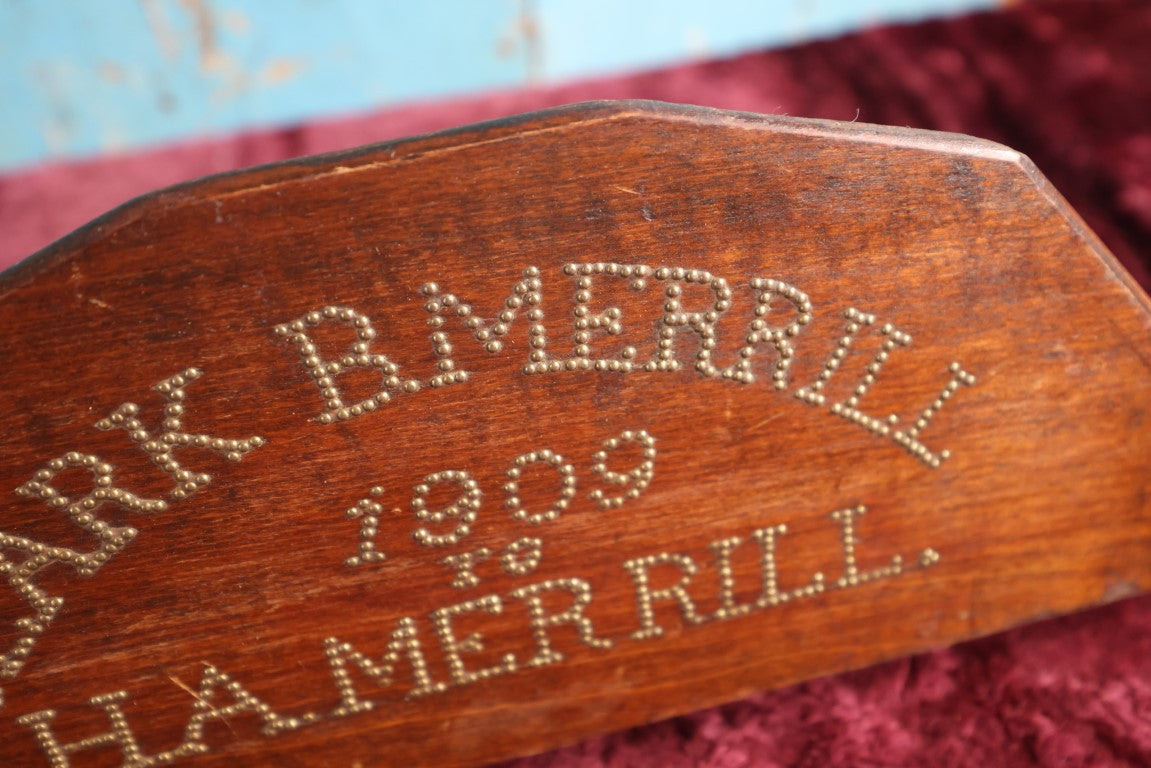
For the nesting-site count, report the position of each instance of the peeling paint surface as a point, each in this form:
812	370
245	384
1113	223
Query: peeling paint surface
84	77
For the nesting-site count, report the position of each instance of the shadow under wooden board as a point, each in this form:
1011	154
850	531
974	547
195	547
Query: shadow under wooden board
470	445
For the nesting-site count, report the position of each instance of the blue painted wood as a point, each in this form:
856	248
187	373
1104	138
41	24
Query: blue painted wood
90	76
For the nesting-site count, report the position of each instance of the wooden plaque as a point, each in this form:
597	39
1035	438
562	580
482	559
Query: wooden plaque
466	446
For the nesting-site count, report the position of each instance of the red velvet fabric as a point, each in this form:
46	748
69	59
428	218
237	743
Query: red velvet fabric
1068	84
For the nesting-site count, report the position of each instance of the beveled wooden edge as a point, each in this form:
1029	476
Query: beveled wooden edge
1084	232
405	149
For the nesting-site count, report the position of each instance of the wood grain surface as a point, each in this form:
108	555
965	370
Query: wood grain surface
462	447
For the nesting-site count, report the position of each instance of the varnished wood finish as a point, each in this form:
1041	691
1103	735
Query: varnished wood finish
1042	507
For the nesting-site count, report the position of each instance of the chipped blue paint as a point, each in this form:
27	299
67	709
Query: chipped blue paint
90	76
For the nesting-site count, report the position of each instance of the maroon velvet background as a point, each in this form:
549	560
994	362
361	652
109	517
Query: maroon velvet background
1068	84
